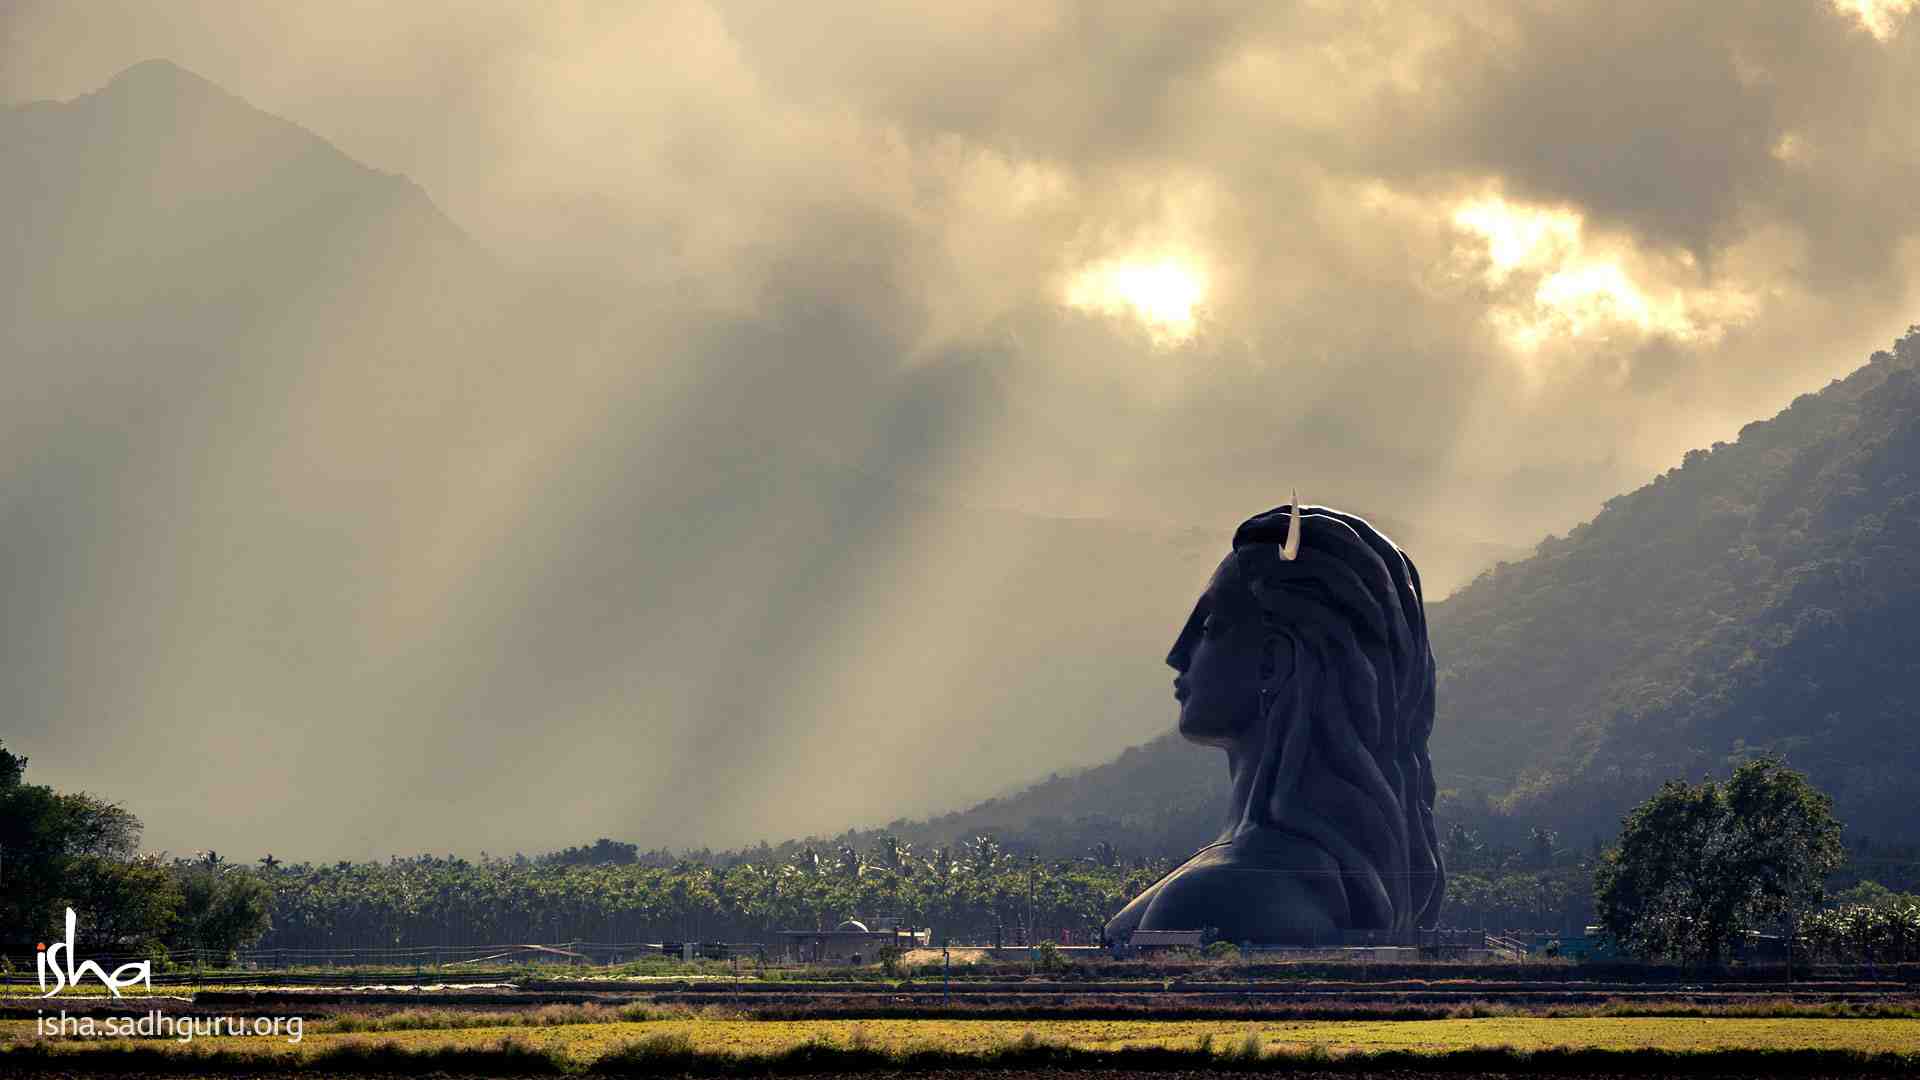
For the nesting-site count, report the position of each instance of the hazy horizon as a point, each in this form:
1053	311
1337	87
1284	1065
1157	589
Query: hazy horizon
829	414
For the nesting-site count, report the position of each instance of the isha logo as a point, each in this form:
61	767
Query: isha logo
50	957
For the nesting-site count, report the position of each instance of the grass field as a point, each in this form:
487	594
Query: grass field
588	1042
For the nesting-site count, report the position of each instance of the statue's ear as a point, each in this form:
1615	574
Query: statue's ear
1286	660
1276	658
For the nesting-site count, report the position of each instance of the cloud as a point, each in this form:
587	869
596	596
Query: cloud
1881	18
838	405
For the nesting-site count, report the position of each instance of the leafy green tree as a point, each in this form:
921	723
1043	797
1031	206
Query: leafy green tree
892	853
1461	848
55	848
1697	865
983	854
12	767
1541	843
848	862
125	905
221	908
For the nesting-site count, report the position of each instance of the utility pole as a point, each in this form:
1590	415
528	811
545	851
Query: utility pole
1033	952
1792	931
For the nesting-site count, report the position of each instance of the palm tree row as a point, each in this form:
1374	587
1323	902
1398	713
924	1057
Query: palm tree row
972	892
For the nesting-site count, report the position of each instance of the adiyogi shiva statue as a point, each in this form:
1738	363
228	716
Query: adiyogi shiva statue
1307	661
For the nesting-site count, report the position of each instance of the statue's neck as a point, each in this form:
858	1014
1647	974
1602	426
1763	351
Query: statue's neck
1241	765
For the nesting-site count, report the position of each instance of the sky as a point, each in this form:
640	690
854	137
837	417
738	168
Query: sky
881	383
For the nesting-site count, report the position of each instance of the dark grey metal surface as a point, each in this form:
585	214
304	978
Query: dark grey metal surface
1315	676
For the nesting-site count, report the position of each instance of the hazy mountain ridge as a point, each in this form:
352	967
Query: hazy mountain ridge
216	323
162	171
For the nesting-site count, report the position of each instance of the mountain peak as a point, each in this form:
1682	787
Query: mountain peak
160	79
157	69
164	164
158	101
178	136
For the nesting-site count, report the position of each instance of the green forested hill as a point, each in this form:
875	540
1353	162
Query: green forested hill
1762	596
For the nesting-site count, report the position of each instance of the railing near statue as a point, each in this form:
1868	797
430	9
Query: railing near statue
1507	948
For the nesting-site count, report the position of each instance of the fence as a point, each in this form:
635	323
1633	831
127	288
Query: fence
449	963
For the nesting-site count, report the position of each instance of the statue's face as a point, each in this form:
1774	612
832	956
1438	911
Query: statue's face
1218	656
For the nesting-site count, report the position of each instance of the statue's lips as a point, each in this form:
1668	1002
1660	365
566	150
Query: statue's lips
1180	690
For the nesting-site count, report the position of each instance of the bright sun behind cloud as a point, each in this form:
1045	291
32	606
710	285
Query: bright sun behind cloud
1570	287
1881	18
1162	294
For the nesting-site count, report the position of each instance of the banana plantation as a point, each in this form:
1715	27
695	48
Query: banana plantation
1870	932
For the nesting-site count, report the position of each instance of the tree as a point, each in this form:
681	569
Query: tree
847	860
1540	845
220	908
54	848
983	854
1461	848
892	853
1697	865
125	905
12	767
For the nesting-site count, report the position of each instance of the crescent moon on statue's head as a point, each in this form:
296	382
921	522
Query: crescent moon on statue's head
1290	550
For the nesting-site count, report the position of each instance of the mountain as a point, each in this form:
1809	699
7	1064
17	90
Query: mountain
164	213
1764	596
230	354
189	286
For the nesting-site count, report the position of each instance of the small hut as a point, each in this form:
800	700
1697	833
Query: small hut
851	942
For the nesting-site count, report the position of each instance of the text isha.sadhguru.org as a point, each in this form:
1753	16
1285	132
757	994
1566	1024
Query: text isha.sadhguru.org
61	966
159	1025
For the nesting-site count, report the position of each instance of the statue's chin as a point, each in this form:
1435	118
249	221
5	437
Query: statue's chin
1204	729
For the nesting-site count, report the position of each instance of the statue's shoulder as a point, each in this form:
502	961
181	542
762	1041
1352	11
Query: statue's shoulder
1266	886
